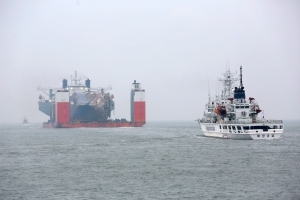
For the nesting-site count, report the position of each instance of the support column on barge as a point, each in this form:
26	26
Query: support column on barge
62	106
138	104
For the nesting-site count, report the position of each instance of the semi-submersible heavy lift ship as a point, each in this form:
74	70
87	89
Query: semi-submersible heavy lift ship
78	105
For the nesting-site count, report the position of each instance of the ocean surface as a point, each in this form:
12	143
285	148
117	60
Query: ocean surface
162	160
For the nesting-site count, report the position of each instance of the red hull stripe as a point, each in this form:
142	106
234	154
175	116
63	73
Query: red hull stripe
140	111
62	112
93	124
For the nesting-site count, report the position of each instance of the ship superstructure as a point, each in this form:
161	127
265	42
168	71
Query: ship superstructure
80	105
231	115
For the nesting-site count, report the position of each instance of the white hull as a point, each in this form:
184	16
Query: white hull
214	130
231	116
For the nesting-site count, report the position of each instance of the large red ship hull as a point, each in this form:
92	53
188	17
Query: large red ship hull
93	124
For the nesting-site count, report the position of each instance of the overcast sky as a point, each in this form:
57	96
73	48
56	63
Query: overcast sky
171	47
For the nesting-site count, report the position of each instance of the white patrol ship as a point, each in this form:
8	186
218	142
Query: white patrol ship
230	115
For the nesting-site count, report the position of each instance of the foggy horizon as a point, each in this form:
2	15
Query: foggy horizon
175	49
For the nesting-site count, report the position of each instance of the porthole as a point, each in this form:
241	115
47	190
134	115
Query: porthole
243	113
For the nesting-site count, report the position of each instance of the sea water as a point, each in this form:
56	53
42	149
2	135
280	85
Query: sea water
162	160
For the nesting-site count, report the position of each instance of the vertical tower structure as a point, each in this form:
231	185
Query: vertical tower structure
227	81
138	104
239	92
62	106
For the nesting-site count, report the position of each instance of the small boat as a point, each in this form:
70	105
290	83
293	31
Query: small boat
232	116
25	121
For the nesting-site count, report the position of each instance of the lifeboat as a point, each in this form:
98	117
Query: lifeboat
230	99
220	110
251	99
256	109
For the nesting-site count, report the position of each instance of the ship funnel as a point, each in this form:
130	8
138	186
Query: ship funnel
88	83
65	83
239	93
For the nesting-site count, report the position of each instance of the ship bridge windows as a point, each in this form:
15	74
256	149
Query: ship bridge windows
241	106
281	127
239	128
265	128
233	127
246	127
225	127
275	126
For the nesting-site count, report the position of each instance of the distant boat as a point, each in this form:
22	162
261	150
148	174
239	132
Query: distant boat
25	121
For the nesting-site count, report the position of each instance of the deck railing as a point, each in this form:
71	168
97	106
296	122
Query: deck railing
243	122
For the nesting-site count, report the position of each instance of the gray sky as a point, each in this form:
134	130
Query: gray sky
171	47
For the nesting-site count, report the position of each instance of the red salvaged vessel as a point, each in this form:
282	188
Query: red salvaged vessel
78	105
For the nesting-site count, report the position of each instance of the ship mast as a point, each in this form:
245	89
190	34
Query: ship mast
241	80
227	81
75	77
75	80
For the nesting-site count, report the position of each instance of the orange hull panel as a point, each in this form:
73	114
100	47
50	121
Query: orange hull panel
62	112
139	111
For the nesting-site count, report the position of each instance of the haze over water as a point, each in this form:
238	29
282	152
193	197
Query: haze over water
171	47
163	160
